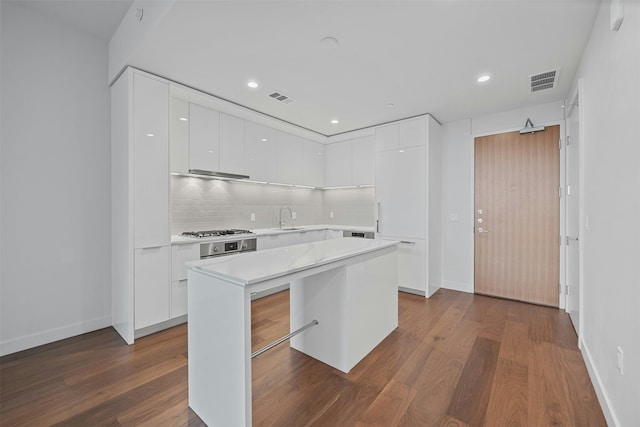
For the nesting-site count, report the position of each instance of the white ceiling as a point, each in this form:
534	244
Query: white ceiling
421	56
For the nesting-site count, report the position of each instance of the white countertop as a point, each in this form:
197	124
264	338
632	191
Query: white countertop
253	267
179	240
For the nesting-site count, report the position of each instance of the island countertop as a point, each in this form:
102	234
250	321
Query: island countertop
254	267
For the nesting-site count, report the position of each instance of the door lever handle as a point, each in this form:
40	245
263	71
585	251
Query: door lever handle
482	230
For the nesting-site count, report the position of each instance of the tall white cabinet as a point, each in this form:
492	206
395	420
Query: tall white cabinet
407	197
141	255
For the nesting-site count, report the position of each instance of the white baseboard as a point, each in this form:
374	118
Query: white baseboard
455	286
603	397
56	334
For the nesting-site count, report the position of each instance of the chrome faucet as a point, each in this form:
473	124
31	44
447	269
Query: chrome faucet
280	215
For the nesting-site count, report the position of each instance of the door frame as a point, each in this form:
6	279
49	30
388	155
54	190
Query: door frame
562	170
576	100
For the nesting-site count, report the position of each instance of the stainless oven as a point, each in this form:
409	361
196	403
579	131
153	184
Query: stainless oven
230	247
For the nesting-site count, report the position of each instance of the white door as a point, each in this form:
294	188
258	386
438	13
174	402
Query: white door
573	214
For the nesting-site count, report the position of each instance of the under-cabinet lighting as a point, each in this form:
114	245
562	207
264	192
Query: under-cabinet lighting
304	186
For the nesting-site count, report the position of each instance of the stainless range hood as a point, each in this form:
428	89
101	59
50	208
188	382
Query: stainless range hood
211	174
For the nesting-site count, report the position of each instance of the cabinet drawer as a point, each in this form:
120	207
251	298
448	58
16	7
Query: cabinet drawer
181	254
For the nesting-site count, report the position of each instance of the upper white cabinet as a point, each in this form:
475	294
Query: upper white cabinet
179	136
261	147
338	164
313	157
204	138
232	145
363	161
289	168
151	161
408	133
350	162
408	198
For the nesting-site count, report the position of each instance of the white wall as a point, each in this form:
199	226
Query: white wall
54	279
610	70
457	183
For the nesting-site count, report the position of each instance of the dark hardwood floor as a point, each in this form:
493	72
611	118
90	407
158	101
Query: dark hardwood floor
456	359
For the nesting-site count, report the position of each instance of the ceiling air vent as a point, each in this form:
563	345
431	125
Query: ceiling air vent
281	97
546	80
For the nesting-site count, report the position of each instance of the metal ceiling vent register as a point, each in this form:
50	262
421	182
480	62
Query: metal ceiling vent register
546	80
279	96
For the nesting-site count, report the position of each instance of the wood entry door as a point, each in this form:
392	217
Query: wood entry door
517	216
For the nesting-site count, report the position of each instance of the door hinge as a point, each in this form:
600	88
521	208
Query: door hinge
567	289
568	140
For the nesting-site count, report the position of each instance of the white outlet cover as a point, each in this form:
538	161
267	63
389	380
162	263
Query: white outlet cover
253	216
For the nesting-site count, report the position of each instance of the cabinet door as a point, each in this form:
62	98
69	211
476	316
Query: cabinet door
178	298
290	167
179	136
232	145
412	263
180	254
363	160
313	161
338	164
204	138
400	192
261	144
387	137
334	234
152	281
150	161
412	133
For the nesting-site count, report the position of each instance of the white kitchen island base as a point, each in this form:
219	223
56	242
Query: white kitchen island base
348	285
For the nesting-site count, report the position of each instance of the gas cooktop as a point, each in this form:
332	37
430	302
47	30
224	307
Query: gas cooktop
215	233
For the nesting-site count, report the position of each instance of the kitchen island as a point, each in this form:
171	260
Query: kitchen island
349	286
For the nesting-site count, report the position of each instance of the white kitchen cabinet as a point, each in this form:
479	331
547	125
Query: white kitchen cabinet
307	236
363	161
179	136
178	298
338	164
408	199
334	234
140	253
261	146
401	192
181	254
313	158
290	169
232	145
271	241
407	133
204	138
151	161
152	286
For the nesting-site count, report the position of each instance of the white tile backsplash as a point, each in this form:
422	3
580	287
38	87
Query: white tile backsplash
204	204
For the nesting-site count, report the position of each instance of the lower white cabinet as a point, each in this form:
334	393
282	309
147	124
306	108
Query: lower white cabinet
178	298
412	264
151	278
334	234
272	241
181	254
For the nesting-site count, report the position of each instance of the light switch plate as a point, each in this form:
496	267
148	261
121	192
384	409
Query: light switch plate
253	216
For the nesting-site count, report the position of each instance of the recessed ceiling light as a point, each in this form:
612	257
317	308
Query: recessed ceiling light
149	134
252	85
329	43
390	105
335	122
484	78
184	119
264	140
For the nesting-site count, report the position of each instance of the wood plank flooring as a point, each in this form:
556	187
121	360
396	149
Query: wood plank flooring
456	359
